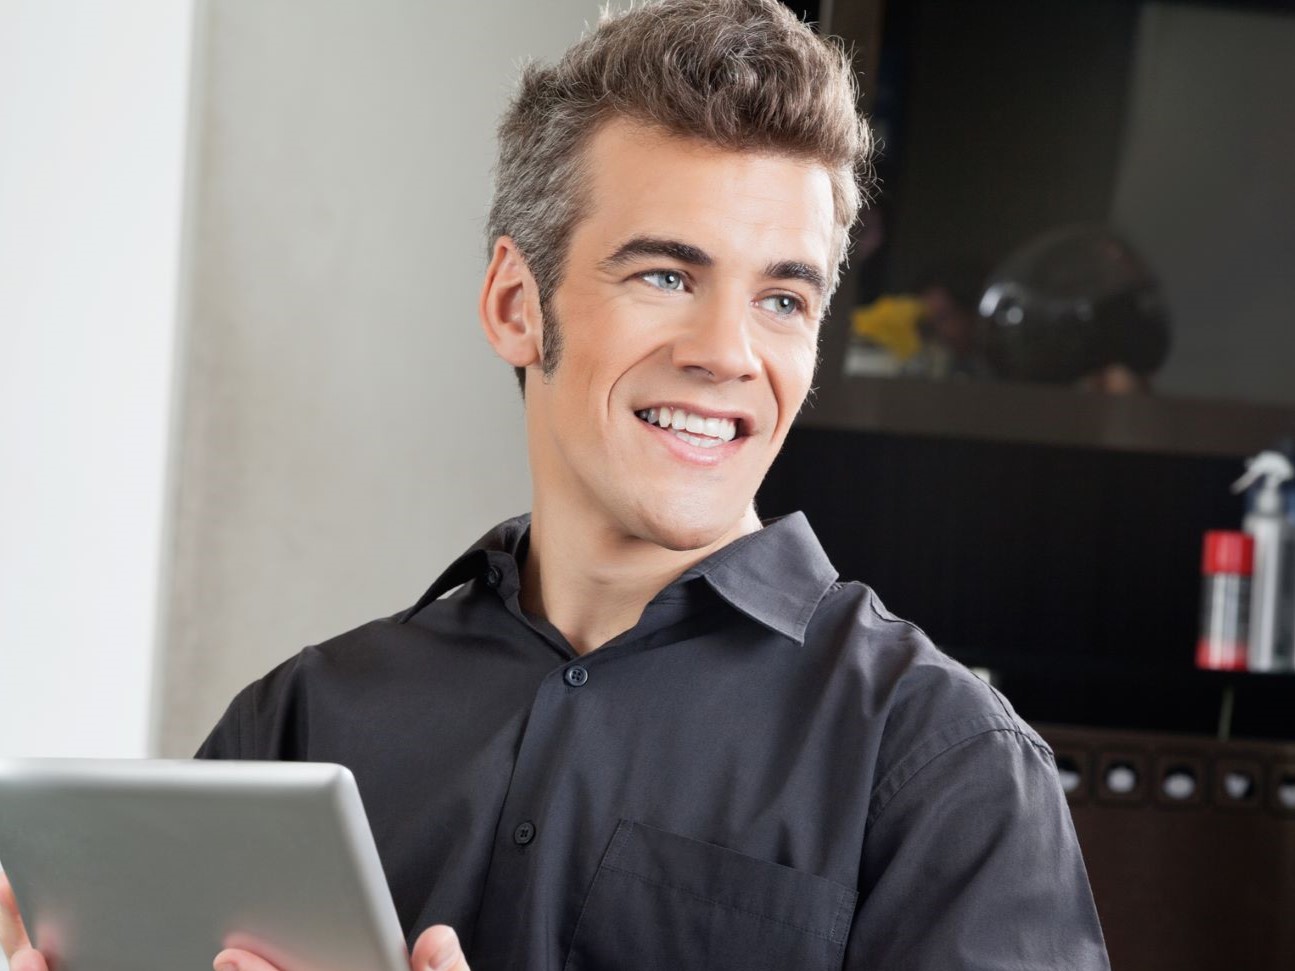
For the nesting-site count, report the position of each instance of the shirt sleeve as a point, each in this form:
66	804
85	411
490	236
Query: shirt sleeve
266	720
971	863
226	739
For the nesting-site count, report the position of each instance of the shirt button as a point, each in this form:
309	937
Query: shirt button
575	676
493	576
524	833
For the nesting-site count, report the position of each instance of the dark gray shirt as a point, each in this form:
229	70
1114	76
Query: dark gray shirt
768	771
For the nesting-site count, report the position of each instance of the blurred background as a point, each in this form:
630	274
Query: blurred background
1066	329
242	379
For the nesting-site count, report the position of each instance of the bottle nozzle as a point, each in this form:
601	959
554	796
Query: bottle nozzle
1274	469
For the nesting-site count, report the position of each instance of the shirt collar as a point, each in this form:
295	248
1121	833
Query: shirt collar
776	575
505	539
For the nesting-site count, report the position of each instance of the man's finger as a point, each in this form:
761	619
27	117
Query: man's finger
27	959
13	936
437	949
232	959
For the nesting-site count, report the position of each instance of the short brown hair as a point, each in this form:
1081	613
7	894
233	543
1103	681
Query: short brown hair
739	74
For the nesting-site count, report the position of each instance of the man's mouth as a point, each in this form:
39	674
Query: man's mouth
694	429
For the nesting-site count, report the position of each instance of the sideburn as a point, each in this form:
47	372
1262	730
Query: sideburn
550	338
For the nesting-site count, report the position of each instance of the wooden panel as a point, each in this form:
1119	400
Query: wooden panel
1205	883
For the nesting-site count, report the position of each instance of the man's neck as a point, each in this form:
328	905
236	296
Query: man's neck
592	582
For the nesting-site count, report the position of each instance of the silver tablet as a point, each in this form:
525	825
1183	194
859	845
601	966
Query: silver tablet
138	865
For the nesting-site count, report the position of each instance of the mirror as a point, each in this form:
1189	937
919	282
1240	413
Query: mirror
1157	132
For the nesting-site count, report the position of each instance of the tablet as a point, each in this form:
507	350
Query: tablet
156	865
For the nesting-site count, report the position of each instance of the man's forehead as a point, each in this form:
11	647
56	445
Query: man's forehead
622	148
643	182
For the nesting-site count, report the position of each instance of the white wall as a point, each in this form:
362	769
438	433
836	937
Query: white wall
92	114
341	429
346	429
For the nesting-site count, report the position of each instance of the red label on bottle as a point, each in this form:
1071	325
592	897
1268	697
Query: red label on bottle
1212	655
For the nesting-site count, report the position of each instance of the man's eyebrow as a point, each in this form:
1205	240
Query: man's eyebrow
655	246
796	270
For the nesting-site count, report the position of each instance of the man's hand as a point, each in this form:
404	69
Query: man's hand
437	949
13	936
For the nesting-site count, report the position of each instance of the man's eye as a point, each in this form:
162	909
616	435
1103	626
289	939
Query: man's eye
782	304
665	279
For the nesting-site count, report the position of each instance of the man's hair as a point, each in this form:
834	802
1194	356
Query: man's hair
744	75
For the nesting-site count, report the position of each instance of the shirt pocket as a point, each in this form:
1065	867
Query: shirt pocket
663	901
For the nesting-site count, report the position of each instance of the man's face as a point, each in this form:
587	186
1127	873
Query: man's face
693	289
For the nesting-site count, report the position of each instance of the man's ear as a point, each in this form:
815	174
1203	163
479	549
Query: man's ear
510	306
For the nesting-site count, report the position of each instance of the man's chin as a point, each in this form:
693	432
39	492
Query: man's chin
684	533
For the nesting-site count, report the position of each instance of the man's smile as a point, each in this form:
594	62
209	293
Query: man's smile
695	436
690	424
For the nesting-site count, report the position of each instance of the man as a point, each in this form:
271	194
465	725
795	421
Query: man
638	729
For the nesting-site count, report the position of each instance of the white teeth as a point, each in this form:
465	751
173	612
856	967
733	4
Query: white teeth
694	429
699	441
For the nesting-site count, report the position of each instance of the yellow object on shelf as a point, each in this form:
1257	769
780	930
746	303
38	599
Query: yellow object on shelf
890	323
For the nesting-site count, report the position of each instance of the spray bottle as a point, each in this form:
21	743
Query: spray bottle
1272	591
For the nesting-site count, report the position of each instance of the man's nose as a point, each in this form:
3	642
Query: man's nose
716	343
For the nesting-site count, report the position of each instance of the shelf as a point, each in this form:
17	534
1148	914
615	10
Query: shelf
1046	415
